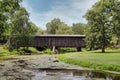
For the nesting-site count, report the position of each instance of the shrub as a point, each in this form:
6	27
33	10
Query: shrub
17	41
69	49
48	51
30	50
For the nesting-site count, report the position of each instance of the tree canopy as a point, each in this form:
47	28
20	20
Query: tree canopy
78	28
53	26
14	22
101	21
64	29
56	26
7	7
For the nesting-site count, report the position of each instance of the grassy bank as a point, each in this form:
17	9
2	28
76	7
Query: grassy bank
4	53
94	59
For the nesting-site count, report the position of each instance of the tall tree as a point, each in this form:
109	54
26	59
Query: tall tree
99	20
16	18
92	41
19	32
78	28
53	26
7	7
2	21
115	12
33	29
64	29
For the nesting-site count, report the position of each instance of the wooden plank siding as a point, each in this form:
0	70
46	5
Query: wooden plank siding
59	41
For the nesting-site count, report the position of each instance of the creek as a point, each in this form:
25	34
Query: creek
72	74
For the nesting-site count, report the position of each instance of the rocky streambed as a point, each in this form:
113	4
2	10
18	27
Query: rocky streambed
44	67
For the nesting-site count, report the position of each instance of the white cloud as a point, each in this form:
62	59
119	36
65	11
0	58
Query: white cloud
69	13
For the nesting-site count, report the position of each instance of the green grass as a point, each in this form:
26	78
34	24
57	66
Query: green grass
66	49
48	51
4	51
94	59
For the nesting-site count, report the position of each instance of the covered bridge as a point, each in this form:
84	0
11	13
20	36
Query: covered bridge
56	41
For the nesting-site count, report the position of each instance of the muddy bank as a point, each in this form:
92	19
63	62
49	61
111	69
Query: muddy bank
21	68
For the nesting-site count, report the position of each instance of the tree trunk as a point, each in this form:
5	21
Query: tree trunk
103	49
103	41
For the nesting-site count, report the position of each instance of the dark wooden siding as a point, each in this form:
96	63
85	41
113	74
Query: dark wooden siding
59	41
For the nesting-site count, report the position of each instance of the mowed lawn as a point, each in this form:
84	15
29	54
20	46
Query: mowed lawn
94	59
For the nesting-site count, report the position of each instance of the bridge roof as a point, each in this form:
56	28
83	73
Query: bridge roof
50	35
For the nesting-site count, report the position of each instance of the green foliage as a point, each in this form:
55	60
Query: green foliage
32	29
20	51
91	39
3	39
78	28
53	26
22	30
15	42
58	27
14	22
64	29
7	8
63	50
48	51
20	22
2	21
102	23
33	50
26	50
94	60
5	52
115	10
40	31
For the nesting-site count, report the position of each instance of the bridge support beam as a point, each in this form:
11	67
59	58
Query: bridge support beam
79	49
55	49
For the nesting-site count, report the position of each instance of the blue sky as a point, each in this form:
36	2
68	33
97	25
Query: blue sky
69	11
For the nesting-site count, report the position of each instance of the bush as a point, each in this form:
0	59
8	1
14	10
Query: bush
69	49
30	50
48	51
17	41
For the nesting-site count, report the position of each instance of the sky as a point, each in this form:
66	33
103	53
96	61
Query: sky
69	11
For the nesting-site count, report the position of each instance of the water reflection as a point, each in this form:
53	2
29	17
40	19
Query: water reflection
71	75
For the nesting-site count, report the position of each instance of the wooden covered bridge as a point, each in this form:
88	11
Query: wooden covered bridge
57	41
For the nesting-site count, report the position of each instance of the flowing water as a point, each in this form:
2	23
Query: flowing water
63	74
